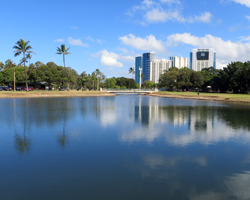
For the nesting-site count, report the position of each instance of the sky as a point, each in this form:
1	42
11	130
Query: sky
108	35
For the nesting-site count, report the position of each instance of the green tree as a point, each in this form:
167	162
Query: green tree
23	47
169	79
197	79
110	83
148	84
1	66
82	79
63	51
32	73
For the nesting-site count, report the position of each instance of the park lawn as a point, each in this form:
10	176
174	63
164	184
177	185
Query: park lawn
225	96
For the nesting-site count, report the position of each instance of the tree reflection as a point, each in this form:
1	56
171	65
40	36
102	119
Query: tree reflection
22	143
62	139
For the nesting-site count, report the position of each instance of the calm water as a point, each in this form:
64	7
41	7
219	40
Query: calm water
123	147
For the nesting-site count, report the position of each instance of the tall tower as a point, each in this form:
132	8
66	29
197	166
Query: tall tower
146	58
202	58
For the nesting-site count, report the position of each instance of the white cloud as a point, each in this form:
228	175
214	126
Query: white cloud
248	17
170	1
76	42
243	2
154	12
74	27
109	58
114	60
59	40
158	15
90	38
226	51
94	40
124	50
150	43
245	38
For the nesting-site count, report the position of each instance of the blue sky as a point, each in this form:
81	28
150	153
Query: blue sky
107	35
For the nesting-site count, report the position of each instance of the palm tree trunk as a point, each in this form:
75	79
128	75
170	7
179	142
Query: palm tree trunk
66	72
97	83
25	72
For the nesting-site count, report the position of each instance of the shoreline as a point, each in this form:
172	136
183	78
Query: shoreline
52	94
207	97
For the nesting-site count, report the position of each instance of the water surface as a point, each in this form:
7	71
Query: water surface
123	147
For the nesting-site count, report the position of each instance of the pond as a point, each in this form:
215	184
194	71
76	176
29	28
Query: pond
123	147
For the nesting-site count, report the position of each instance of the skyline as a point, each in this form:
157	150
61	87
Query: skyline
109	35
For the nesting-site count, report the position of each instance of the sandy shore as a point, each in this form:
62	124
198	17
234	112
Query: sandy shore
235	98
53	94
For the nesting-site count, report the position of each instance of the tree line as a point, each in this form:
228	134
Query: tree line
20	74
235	77
56	75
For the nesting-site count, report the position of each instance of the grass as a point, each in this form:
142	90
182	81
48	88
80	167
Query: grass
225	96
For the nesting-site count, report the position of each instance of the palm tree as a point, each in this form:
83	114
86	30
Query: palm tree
131	71
29	57
64	52
98	73
23	47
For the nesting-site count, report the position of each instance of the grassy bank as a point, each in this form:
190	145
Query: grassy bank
242	98
43	94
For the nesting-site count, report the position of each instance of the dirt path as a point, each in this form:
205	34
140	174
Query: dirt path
52	94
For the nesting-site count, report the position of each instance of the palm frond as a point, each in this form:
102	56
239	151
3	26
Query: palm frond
17	48
31	52
28	47
17	53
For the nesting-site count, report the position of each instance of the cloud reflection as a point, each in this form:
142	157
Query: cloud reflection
239	184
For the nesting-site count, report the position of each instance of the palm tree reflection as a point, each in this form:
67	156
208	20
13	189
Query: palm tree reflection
62	139
22	143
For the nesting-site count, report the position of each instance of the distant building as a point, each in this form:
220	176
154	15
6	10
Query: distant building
138	64
202	58
179	62
157	68
146	58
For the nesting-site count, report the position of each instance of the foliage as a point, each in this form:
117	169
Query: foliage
235	77
148	84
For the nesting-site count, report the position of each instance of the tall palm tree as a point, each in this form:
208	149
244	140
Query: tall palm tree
29	57
63	51
98	73
23	47
131	71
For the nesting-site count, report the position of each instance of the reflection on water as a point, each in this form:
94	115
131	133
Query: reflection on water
124	147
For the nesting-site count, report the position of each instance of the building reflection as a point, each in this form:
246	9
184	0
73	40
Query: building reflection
149	111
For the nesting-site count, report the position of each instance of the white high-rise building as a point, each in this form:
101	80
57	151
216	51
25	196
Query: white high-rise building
202	58
179	62
157	68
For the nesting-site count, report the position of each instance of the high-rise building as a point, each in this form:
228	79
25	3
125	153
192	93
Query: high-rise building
157	68
179	62
138	64
146	58
202	58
